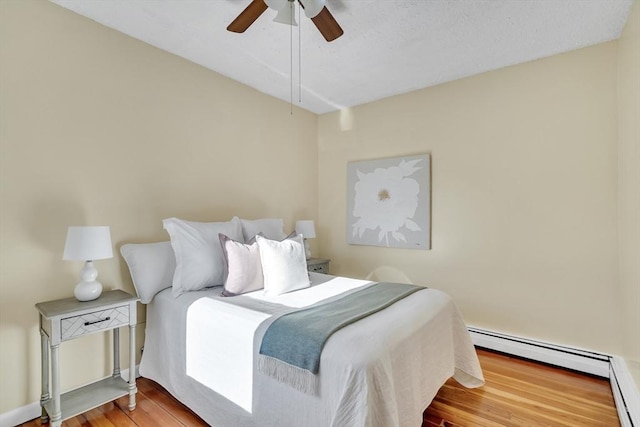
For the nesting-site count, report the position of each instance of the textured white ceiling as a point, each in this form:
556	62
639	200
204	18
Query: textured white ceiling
388	47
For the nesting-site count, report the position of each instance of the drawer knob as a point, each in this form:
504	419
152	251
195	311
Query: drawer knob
97	321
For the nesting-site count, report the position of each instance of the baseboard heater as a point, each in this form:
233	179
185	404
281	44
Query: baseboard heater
625	393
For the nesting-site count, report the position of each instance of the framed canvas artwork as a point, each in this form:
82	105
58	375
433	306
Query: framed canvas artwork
389	202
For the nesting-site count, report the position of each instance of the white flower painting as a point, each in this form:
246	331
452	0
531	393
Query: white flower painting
388	202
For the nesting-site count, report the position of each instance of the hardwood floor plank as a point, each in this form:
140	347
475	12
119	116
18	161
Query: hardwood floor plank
514	406
549	400
517	393
520	392
474	403
169	403
79	421
584	399
431	420
96	418
117	416
147	413
560	380
453	412
555	393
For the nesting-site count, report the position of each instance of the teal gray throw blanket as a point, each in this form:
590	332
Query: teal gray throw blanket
292	344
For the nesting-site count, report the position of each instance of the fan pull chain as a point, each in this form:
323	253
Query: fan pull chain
291	59
299	57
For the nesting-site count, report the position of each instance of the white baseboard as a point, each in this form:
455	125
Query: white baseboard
625	390
625	393
20	415
566	357
32	410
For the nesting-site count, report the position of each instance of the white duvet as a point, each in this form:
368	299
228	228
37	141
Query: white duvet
382	371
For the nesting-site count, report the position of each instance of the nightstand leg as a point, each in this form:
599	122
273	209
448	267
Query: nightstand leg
56	417
44	359
116	352
132	367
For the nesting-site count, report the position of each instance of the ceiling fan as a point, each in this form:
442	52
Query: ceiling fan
314	9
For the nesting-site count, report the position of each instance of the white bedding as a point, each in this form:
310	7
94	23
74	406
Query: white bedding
383	370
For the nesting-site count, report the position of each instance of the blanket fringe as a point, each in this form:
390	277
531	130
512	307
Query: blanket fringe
298	378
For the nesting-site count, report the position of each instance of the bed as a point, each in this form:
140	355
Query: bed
380	371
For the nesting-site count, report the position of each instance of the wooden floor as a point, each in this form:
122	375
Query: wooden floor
516	393
523	393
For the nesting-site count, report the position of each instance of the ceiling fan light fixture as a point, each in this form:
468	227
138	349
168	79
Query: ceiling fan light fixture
276	4
285	15
312	7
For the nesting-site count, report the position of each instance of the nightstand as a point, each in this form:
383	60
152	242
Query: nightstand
67	319
318	265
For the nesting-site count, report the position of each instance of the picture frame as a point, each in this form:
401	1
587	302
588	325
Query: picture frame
389	202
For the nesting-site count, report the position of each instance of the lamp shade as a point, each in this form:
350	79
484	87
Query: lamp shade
88	244
306	228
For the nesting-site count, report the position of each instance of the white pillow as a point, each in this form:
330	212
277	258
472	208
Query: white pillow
199	258
271	228
244	271
284	265
151	266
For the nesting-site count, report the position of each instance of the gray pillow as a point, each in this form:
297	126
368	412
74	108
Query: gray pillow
271	228
199	257
151	266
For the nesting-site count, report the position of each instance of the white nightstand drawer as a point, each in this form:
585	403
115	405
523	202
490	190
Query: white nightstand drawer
318	265
73	327
319	268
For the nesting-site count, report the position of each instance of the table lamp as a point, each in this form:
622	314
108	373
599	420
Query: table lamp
88	244
308	231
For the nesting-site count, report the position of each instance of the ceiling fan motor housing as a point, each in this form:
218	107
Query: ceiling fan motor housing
311	7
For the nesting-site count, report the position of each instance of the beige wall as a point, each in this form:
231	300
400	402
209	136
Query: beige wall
100	129
97	128
629	186
524	195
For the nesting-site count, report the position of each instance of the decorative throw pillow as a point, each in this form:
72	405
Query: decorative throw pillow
151	266
199	258
244	271
271	228
284	265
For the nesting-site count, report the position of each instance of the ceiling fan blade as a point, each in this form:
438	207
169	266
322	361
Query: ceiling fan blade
247	16
327	25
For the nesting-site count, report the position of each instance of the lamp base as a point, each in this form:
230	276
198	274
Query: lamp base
89	288
88	291
307	250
